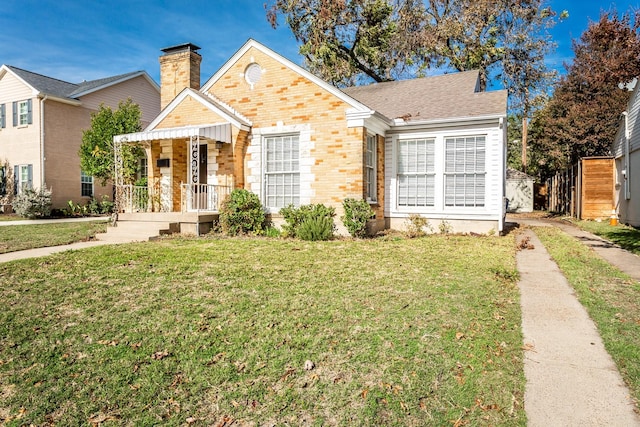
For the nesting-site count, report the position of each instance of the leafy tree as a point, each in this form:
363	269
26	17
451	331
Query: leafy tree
97	151
354	41
351	41
582	117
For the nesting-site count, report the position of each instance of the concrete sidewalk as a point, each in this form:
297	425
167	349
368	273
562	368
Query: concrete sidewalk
571	379
53	220
623	260
40	252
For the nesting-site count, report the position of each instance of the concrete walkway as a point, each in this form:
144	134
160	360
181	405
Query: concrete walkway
571	379
39	252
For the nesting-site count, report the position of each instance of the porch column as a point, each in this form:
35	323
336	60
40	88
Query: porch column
194	157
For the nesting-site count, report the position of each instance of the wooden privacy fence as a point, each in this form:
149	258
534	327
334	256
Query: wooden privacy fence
584	190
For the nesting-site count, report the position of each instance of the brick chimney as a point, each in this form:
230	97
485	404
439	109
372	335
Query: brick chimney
179	69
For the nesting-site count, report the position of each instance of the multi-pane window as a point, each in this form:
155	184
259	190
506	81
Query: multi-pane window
22	178
86	184
416	172
22	114
282	170
465	171
370	163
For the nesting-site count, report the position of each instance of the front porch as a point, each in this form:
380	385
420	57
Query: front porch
189	172
144	226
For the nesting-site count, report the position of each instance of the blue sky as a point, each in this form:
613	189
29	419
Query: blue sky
77	40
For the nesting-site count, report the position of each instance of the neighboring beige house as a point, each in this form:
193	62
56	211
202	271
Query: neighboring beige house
41	123
431	146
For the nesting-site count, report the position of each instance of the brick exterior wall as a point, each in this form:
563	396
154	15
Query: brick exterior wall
284	100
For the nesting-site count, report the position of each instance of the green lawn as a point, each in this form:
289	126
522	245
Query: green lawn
622	235
389	332
611	298
20	237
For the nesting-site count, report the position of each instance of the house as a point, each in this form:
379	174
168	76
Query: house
519	191
431	146
626	153
41	123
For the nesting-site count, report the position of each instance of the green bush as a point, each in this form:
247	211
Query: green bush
241	213
32	203
319	228
356	215
309	222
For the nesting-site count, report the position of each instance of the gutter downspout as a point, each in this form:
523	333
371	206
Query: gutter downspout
42	158
627	190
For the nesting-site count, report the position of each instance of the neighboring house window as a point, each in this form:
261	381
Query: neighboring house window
416	172
282	171
3	116
3	180
86	184
22	178
370	168
464	171
22	113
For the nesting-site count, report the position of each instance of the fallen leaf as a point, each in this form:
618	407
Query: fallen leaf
364	393
459	335
159	355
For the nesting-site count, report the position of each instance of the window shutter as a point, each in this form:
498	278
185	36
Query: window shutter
3	116
3	181
15	113
29	112
16	179
30	175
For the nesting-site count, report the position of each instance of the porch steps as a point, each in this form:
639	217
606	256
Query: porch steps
138	230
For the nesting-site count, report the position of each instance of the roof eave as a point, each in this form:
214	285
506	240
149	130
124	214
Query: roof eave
48	97
400	123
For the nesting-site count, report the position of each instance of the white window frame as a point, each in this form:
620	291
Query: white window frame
84	181
416	179
465	171
371	168
23	113
24	178
281	171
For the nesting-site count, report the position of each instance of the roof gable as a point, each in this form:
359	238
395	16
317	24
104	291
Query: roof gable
210	102
353	103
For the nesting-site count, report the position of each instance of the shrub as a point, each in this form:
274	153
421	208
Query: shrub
415	226
241	213
309	222
316	228
356	215
32	203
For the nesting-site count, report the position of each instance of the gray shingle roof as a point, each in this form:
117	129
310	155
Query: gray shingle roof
431	98
62	89
516	174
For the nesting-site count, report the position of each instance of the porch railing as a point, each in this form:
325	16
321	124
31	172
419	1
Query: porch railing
135	198
202	197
